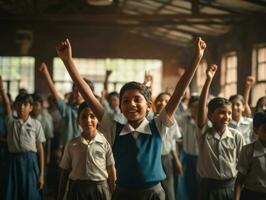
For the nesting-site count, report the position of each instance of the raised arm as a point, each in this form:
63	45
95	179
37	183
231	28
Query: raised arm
249	83
202	111
186	78
43	69
8	109
64	51
148	79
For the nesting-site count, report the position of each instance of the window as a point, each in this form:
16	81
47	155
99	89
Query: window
17	72
201	75
229	74
259	62
123	70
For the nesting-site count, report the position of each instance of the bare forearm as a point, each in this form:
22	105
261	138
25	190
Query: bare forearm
111	177
51	85
202	110
181	86
84	88
40	152
6	102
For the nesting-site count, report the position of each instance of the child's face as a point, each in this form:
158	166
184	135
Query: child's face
161	102
37	108
87	121
221	117
114	101
76	96
261	132
193	107
262	105
237	108
134	106
23	109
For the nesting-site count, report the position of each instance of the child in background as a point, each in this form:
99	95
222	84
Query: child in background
239	122
219	146
261	104
87	162
188	184
46	122
136	143
24	176
252	164
170	161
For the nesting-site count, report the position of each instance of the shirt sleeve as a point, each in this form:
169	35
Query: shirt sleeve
40	137
63	107
109	155
107	127
243	160
66	161
163	121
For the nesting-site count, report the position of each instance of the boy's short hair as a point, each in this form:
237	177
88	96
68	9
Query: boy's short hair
237	96
24	98
82	106
259	119
144	90
218	102
114	93
193	98
37	98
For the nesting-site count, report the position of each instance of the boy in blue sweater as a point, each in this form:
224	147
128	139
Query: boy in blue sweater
137	142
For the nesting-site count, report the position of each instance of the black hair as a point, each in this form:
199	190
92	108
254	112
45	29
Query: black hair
144	90
37	98
259	102
161	94
82	106
259	119
218	102
114	93
193	99
24	98
89	82
236	96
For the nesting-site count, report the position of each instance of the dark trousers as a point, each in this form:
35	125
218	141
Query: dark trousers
88	190
153	193
212	189
249	194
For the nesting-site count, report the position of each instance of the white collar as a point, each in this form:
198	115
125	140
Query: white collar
142	128
97	138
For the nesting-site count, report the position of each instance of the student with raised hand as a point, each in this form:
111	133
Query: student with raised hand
137	142
24	178
87	162
250	80
68	110
219	146
251	178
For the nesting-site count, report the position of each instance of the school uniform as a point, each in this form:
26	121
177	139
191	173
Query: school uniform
252	165
23	168
87	162
69	113
244	126
137	154
188	183
218	155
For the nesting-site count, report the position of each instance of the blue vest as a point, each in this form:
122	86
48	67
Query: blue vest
138	161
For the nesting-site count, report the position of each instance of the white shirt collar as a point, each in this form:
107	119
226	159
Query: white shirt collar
97	138
142	128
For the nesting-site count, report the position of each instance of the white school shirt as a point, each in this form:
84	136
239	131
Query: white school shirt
108	126
23	136
218	155
189	131
252	164
87	160
245	127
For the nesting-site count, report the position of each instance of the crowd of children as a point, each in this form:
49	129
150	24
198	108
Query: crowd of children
123	146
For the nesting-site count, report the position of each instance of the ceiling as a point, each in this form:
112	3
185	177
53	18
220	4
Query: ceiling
174	22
